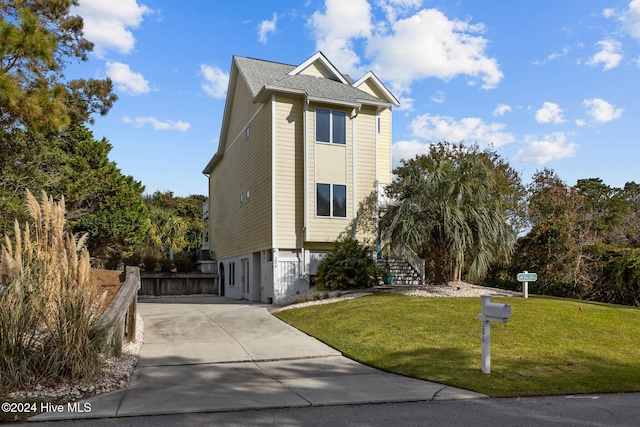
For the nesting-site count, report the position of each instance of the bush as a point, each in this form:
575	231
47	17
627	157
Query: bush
348	266
48	303
184	262
620	282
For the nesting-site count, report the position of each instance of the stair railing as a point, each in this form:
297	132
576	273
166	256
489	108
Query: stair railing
414	260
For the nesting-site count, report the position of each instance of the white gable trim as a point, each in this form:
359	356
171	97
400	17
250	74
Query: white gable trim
318	56
377	83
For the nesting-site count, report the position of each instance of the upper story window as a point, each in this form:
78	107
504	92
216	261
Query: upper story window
331	126
331	200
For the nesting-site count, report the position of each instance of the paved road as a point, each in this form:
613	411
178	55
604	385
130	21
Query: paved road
208	354
584	411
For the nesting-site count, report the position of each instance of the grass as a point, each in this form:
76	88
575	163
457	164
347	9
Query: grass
48	303
550	346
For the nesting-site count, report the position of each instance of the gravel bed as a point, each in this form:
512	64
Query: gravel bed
452	289
116	374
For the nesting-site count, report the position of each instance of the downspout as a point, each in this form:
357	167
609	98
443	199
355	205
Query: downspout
305	140
378	230
355	113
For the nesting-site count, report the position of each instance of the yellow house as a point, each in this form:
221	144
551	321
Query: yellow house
300	148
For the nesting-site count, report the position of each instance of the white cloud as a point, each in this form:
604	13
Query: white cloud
422	45
408	150
580	123
608	13
406	103
267	27
428	44
335	30
610	54
550	147
107	23
438	97
469	129
393	8
126	80
601	111
501	110
555	55
630	19
157	124
549	113
215	81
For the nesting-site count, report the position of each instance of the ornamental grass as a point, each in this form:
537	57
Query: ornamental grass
48	302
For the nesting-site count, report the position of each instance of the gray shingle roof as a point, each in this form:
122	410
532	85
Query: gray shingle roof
258	74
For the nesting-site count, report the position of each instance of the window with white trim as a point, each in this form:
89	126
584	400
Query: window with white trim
331	200
331	126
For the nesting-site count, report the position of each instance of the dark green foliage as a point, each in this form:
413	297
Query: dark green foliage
583	242
456	208
38	38
99	199
348	266
620	283
184	262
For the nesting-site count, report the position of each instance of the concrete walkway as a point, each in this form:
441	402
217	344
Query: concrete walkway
208	354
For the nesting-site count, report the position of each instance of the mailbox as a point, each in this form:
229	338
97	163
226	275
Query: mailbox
491	312
494	312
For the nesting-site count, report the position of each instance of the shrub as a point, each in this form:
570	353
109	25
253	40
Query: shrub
348	266
184	262
48	303
620	282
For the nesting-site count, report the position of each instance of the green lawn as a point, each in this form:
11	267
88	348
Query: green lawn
548	347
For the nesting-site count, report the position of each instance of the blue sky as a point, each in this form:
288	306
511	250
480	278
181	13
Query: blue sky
546	83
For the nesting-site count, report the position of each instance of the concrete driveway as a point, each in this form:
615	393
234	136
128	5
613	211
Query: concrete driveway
207	354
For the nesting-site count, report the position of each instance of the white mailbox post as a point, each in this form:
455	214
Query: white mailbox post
491	312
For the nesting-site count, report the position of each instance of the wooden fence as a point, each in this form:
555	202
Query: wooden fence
118	321
165	284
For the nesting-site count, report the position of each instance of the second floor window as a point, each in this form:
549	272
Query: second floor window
331	126
331	200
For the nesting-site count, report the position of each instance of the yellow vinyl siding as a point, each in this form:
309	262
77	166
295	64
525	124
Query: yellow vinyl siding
289	172
332	158
323	229
243	110
239	229
318	70
365	164
371	89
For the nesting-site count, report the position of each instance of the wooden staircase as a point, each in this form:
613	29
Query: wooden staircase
403	272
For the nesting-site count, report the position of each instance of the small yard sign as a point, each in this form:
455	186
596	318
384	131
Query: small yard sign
527	277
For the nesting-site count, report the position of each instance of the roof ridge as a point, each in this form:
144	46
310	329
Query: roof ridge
265	60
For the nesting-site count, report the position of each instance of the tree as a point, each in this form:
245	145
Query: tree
556	247
38	38
100	200
167	231
449	209
188	209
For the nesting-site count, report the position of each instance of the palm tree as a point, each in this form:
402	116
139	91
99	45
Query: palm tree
448	210
167	231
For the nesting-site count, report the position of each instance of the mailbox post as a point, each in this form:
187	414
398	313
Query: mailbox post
491	312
